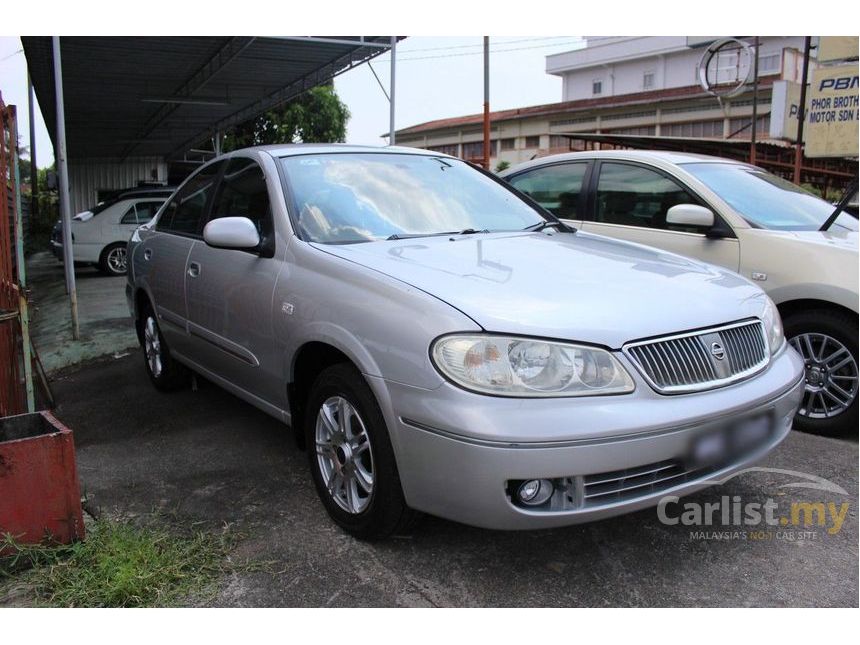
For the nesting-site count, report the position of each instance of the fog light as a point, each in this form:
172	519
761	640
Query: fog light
535	492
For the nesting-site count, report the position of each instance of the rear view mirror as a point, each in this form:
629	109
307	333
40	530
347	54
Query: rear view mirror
232	233
690	215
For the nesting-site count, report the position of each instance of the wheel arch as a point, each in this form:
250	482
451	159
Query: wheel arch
309	361
790	307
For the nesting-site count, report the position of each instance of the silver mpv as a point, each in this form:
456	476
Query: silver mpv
440	343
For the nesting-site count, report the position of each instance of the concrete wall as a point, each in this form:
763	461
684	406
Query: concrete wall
87	177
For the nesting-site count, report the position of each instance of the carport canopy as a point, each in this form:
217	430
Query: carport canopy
161	96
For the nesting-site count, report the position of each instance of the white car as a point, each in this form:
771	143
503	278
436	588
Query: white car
737	216
100	234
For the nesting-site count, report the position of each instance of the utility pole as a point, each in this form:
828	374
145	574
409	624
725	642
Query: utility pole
801	111
65	205
487	102
393	50
755	103
34	169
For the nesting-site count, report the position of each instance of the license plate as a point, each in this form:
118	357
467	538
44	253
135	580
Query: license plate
727	441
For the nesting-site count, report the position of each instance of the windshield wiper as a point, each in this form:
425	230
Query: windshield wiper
549	224
406	236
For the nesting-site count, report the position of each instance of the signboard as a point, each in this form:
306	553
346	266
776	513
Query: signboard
784	110
832	48
832	112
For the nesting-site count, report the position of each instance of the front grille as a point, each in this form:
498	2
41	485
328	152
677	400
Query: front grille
703	359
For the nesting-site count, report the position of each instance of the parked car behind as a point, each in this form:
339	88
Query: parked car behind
100	234
737	216
440	344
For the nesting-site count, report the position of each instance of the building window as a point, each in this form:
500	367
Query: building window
558	141
645	130
596	87
648	80
741	128
532	142
769	64
712	129
508	144
474	150
449	149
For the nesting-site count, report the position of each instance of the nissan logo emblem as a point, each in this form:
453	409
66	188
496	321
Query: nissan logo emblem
717	351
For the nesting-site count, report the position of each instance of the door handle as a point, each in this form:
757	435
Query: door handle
193	269
147	254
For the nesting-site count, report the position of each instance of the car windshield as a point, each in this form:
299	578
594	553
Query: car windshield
767	201
343	198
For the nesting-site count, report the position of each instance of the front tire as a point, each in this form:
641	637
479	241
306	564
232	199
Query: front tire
165	373
350	456
827	342
114	259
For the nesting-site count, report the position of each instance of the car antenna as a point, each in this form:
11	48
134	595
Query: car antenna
840	207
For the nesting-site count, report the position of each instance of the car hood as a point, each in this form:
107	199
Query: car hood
577	286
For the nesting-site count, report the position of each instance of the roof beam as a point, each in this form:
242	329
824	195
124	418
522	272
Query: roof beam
223	57
335	68
360	42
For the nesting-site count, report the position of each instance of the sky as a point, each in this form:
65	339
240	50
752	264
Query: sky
436	78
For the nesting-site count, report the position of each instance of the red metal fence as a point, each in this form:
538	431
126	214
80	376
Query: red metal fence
12	387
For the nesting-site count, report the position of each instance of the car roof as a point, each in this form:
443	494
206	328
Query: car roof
664	156
293	149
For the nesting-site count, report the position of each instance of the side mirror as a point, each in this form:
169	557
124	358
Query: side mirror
690	215
232	233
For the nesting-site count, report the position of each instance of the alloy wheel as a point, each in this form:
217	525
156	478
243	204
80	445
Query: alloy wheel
152	346
344	454
117	260
831	375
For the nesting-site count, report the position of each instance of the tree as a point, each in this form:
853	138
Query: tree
316	116
503	165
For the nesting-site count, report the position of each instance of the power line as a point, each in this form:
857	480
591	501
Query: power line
492	51
8	56
480	45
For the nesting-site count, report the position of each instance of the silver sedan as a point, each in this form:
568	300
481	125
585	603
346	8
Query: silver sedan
440	343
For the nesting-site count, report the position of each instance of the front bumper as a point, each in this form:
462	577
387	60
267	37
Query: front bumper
457	451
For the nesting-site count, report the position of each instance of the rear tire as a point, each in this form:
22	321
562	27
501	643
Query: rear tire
350	456
164	371
827	341
114	259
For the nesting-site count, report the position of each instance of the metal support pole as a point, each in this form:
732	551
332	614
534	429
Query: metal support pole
23	312
65	205
755	103
487	102
393	50
34	168
801	111
217	142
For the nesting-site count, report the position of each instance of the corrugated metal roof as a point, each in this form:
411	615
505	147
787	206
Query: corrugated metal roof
121	93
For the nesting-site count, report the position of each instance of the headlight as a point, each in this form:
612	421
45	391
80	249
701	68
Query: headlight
772	326
510	366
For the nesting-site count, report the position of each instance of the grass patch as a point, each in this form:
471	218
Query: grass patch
122	565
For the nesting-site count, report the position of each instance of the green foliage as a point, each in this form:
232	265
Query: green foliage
317	116
121	565
503	165
812	189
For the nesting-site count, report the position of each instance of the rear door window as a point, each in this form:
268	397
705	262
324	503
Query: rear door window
557	188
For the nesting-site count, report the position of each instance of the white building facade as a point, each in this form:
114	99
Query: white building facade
622	85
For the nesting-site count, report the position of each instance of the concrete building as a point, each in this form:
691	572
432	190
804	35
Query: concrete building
620	85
